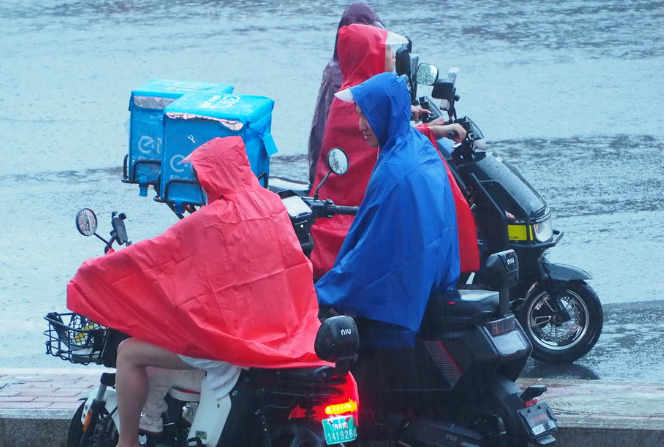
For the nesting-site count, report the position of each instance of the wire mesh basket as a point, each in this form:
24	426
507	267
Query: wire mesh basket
74	338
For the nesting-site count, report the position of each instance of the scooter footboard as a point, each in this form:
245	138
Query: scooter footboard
533	420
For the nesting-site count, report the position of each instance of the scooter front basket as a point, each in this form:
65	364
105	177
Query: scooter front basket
74	338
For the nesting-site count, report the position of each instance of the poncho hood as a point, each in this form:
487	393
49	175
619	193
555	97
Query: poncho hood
356	12
229	282
361	50
385	101
223	172
403	244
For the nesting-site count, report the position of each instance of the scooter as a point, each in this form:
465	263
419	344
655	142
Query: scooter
561	313
267	407
456	388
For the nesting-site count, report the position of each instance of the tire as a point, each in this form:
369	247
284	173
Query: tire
105	433
562	343
485	423
298	433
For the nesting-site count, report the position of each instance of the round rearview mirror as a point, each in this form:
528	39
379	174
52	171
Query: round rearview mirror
427	74
86	222
337	160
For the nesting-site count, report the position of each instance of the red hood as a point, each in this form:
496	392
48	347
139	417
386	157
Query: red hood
229	282
223	168
361	51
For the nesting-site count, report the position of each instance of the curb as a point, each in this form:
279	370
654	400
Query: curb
590	413
34	428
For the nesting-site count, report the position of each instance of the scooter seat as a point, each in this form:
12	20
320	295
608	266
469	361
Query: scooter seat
315	375
458	309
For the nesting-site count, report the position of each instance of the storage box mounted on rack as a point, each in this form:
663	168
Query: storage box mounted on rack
146	105
201	116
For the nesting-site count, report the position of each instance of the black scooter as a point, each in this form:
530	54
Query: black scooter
562	315
456	387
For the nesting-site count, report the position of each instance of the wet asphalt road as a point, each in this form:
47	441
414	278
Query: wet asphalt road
568	92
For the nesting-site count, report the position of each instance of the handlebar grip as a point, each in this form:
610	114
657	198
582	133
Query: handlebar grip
451	134
346	210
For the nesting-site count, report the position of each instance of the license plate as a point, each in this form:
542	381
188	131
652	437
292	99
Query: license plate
538	419
339	429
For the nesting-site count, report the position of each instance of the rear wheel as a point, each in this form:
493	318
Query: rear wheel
104	433
298	433
558	341
493	429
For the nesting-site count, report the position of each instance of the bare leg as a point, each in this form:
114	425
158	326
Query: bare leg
132	382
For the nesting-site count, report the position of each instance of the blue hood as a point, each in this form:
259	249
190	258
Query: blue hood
403	243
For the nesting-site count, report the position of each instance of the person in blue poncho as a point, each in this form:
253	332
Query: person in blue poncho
403	244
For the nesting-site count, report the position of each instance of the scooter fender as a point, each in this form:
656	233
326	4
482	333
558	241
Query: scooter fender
110	403
564	272
505	400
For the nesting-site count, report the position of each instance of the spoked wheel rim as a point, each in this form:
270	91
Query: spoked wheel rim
554	335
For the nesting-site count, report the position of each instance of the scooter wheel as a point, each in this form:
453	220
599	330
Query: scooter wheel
556	341
298	433
105	434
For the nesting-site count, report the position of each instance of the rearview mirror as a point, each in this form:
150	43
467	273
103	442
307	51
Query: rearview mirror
337	160
427	74
86	222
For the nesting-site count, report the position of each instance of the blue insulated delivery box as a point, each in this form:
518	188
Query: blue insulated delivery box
142	163
201	116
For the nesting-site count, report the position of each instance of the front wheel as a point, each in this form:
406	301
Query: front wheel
557	341
103	434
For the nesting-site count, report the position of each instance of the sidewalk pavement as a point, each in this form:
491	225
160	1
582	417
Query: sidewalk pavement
37	404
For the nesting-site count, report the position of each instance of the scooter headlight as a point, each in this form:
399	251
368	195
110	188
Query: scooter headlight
543	230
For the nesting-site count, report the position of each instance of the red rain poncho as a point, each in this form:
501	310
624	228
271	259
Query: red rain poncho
229	282
469	254
361	52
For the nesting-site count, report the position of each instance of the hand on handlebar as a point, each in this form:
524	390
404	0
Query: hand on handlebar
416	112
452	131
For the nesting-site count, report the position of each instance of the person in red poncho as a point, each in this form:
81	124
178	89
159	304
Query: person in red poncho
356	12
364	51
226	287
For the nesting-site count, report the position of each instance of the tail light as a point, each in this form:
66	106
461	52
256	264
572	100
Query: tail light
338	409
339	415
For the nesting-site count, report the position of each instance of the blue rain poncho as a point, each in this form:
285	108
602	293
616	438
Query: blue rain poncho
403	243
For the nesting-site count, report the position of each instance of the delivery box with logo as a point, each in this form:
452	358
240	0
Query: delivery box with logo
201	116
146	106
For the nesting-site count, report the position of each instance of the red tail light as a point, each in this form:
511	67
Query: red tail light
338	409
346	403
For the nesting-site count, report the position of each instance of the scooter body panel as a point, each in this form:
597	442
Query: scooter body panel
210	417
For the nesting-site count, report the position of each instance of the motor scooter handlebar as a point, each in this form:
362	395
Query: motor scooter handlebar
428	104
346	210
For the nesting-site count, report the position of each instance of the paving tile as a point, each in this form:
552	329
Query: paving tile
33	378
18	398
57	393
25	405
64	405
57	399
8	393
